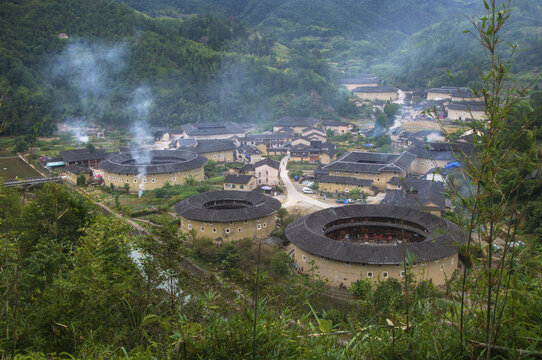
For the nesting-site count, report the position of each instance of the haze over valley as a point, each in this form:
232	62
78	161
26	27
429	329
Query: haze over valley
289	179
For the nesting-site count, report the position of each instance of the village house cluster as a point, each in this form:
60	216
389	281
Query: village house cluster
344	243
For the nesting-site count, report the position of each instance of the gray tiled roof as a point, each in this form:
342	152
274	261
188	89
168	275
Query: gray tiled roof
83	155
365	80
414	201
296	121
441	236
212	128
189	142
208	146
375	163
334	123
453	91
247	168
237	179
76	169
258	205
416	193
307	129
440	151
249	149
466	106
279	136
374	89
159	129
270	162
163	161
423	151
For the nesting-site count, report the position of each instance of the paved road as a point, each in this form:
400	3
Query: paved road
294	197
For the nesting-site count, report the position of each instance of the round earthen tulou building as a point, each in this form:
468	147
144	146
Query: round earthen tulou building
348	243
148	170
227	215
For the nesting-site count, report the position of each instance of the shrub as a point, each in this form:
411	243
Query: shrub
362	289
280	263
81	181
228	256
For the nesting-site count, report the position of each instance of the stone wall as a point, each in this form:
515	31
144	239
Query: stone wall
342	188
152	181
343	273
231	231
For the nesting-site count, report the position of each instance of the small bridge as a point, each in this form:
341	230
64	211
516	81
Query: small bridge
33	181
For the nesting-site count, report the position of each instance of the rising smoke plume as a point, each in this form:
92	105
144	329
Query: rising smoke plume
84	78
139	111
435	137
88	72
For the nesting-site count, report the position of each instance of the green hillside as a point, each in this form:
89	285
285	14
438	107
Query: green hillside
444	46
410	43
198	69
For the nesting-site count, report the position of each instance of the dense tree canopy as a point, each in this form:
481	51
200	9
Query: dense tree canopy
200	69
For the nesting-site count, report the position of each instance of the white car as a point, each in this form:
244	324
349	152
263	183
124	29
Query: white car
516	244
308	190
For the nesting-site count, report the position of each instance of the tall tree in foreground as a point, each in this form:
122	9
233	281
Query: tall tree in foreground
503	177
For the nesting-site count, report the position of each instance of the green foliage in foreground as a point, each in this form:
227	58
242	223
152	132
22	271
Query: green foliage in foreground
72	284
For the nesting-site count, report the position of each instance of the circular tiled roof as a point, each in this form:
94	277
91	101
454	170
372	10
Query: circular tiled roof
440	237
153	162
237	205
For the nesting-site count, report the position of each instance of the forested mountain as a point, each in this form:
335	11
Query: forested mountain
424	59
246	60
115	60
410	43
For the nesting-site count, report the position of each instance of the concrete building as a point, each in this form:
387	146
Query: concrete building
267	172
376	167
353	242
383	93
215	130
240	182
148	170
228	216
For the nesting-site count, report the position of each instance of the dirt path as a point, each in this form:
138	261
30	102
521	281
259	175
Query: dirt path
294	197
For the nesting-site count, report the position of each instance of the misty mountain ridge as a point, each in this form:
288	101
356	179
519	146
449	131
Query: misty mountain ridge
246	61
410	42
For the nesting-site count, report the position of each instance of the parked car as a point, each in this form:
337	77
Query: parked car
516	244
308	190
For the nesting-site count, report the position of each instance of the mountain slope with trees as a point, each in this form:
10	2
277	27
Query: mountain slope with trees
409	43
199	69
